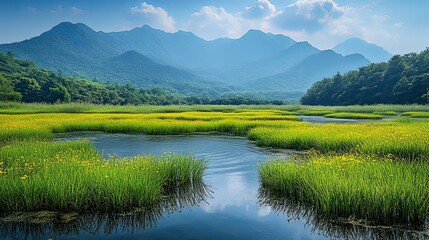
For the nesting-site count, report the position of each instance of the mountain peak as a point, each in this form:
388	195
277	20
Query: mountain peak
70	25
68	28
370	51
355	39
253	33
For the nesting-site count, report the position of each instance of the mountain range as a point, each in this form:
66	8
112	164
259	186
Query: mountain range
184	63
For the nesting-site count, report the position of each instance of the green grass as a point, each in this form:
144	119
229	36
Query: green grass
351	186
416	114
401	140
73	176
19	108
386	113
346	115
36	174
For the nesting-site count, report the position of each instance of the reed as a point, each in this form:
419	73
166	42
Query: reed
73	176
416	114
401	140
377	190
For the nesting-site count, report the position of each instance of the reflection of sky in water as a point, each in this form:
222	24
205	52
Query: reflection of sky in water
233	211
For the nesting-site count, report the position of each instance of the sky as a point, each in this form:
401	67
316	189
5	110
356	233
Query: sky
399	26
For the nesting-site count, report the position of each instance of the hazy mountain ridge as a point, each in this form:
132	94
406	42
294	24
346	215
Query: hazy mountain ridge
183	62
313	68
370	51
78	50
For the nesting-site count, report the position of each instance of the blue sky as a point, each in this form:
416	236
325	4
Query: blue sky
397	25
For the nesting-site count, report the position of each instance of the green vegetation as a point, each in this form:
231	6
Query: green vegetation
354	115
73	176
358	163
386	113
352	186
294	109
399	140
402	80
416	114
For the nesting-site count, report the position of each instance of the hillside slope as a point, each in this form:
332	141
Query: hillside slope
401	80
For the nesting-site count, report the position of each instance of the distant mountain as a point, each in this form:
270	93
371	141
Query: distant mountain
275	65
71	48
313	68
184	49
182	62
370	51
137	69
76	49
252	46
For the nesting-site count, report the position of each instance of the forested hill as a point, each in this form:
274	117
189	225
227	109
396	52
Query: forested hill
402	80
23	81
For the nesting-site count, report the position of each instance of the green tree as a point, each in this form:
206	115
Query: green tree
29	88
58	94
6	91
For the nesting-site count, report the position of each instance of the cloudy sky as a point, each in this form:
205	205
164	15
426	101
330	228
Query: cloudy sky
397	25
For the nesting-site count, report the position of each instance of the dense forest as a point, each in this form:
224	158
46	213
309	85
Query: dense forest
23	81
402	80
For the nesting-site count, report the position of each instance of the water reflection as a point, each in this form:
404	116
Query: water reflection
335	228
52	225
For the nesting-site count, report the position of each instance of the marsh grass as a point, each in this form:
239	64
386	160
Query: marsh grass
40	125
19	108
416	114
374	189
73	176
39	175
386	113
401	140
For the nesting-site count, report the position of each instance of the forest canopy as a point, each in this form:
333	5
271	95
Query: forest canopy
402	80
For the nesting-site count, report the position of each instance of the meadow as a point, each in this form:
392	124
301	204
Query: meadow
376	171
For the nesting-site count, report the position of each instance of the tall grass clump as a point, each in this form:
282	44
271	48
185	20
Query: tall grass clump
416	114
401	140
377	190
386	113
73	176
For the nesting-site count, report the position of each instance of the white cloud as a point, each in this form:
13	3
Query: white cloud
379	18
308	15
210	22
62	10
58	10
263	8
155	16
324	23
76	10
298	20
398	24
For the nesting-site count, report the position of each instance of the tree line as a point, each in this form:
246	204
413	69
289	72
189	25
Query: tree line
402	80
23	81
